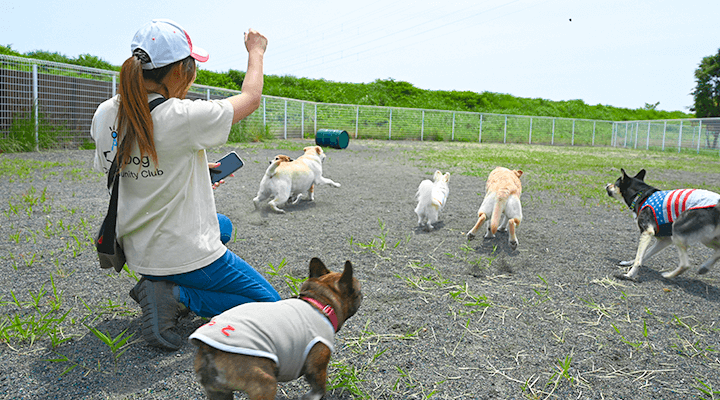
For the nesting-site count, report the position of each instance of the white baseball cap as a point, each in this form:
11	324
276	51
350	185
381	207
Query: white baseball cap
165	42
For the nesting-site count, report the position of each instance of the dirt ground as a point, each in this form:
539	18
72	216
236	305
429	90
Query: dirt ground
442	317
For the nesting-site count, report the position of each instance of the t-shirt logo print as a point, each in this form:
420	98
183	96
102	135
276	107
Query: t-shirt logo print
114	135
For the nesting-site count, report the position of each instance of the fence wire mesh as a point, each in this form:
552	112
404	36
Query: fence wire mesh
46	99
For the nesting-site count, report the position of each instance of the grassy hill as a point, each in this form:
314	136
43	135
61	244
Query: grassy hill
394	94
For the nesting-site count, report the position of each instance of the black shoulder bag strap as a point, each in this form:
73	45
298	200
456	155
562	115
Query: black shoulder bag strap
106	238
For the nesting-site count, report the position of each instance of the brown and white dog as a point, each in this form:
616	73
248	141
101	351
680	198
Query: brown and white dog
285	180
679	217
254	346
501	205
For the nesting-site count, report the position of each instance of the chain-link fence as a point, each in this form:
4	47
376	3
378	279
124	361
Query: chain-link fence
45	98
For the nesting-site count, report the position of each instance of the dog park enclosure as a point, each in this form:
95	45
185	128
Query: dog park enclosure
41	95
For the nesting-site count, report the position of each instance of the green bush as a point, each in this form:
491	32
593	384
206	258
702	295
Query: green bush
21	136
250	131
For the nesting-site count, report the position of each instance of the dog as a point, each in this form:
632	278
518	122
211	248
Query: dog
295	337
501	205
290	180
431	196
678	217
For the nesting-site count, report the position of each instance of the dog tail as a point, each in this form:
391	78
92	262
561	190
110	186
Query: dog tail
271	169
500	203
424	191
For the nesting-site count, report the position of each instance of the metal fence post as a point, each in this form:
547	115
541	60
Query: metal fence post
264	113
452	137
505	131
593	137
480	133
315	118
390	126
552	138
357	120
302	120
114	85
626	132
572	140
422	126
637	128
664	131
35	105
647	141
530	134
207	95
699	134
286	118
680	137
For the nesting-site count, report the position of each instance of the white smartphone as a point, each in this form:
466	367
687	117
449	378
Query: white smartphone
230	163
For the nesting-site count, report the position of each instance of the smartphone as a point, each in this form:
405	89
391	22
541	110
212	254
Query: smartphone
228	164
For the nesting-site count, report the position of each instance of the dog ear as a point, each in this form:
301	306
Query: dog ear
346	279
641	175
518	173
446	177
317	268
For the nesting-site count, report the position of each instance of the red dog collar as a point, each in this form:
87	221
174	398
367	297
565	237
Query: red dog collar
326	309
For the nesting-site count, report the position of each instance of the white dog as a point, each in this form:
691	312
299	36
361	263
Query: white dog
432	196
501	204
285	180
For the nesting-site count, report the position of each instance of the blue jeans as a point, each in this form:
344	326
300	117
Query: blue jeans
220	286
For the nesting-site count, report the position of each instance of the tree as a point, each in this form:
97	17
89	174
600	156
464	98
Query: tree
707	96
707	91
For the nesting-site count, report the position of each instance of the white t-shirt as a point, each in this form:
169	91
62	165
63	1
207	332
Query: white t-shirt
167	222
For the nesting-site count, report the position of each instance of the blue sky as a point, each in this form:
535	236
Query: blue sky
618	53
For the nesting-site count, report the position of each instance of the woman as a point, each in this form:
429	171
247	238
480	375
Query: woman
167	223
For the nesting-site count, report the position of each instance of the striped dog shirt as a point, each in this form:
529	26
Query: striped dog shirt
669	204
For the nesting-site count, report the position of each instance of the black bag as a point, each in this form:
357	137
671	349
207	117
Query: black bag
110	253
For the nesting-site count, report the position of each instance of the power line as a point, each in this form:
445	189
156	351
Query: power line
414	35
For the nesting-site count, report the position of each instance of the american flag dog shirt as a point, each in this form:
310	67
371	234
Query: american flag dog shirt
284	331
667	205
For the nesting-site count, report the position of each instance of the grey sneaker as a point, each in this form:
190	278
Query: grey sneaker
160	312
134	291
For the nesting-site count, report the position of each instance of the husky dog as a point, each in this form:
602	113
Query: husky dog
678	217
431	196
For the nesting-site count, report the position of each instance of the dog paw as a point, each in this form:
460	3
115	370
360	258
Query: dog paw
625	277
626	263
703	271
470	236
513	245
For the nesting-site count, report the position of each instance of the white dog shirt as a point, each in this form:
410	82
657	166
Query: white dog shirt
283	331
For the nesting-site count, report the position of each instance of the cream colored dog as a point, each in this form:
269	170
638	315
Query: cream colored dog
285	180
432	196
501	204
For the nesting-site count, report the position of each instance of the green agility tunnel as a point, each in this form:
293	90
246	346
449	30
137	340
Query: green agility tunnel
336	138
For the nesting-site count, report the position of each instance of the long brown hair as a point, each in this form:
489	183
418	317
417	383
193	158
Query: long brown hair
134	122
